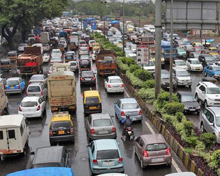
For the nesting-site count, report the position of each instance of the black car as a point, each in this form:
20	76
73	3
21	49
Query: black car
189	101
84	62
206	59
87	77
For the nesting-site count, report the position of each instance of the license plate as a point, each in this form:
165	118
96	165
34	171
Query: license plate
108	163
12	87
115	86
60	132
87	79
155	160
92	107
192	109
134	118
103	132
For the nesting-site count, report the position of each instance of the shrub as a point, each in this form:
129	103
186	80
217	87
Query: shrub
173	107
122	66
136	82
149	84
130	62
188	126
170	119
134	68
147	95
189	150
208	139
191	141
142	74
200	146
180	116
216	158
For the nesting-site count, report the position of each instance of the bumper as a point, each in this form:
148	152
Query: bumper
96	137
165	86
31	115
213	103
13	91
97	170
192	110
134	118
196	69
184	83
157	161
121	89
91	111
87	82
62	138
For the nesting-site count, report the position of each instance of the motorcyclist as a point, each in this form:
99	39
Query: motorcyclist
127	123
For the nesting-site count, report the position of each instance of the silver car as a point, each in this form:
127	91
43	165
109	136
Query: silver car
74	66
38	78
37	89
100	126
210	121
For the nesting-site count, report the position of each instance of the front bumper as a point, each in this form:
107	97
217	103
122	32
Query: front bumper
184	83
213	103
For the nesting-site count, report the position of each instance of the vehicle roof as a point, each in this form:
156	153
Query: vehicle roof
128	100
13	120
61	73
215	110
26	99
164	71
49	154
178	69
36	75
106	144
61	116
185	93
91	93
114	77
14	78
208	84
193	59
100	115
35	84
6	59
153	138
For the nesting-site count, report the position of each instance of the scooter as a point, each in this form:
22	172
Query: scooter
129	133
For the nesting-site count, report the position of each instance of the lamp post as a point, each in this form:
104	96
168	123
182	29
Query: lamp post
104	2
123	40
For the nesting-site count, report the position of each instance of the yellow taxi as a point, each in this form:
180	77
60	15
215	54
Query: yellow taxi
213	51
96	47
92	102
197	44
61	127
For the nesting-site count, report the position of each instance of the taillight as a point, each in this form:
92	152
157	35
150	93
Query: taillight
80	60
51	133
113	129
122	85
81	79
92	131
38	108
122	113
71	131
168	151
120	160
19	86
145	154
41	92
140	112
95	161
19	108
109	86
94	78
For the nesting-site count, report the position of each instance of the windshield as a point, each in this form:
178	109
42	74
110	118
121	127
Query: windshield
33	89
213	90
156	147
196	54
12	82
92	100
150	63
102	122
182	73
130	106
56	51
36	78
60	125
210	58
73	63
165	76
29	104
87	74
107	154
115	81
180	62
195	62
216	68
187	98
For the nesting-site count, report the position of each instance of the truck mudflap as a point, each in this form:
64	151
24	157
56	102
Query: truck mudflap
68	108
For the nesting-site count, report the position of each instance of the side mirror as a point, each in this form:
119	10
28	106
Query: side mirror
32	153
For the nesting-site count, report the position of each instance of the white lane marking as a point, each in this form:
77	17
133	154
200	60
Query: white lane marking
149	127
175	165
126	93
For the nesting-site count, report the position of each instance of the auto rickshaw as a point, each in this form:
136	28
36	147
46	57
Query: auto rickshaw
5	64
13	55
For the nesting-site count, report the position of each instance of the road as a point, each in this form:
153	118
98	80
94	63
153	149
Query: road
39	136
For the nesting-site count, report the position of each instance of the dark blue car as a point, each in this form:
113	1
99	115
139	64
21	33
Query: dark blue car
212	71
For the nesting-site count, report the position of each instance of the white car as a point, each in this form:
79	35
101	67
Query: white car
180	63
150	66
91	42
194	65
37	78
114	84
32	107
56	53
46	57
130	54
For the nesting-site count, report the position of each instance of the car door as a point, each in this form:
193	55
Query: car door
208	118
91	150
44	89
201	92
88	124
106	83
188	62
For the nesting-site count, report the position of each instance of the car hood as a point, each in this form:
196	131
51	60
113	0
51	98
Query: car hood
182	66
214	96
191	104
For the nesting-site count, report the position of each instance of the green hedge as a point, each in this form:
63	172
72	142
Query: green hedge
136	82
148	95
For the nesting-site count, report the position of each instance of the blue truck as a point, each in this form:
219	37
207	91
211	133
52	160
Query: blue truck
166	51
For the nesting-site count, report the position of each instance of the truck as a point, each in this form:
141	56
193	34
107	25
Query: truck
62	91
74	42
30	62
166	53
60	67
3	99
147	39
45	37
106	62
152	56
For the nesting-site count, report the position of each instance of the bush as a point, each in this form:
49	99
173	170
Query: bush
142	74
147	95
180	117
149	84
170	119
134	68
191	141
216	158
208	139
200	146
136	82
173	107
122	66
188	126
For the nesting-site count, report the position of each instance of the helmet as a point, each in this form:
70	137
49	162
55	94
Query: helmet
127	116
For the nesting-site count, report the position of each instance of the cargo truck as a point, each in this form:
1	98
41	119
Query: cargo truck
31	62
62	91
106	62
45	37
74	42
3	99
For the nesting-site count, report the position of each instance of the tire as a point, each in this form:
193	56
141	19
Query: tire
202	127
190	86
197	98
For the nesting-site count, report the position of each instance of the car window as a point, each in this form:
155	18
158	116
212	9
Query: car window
36	78
92	147
12	82
1	135
29	104
202	88
141	142
89	119
87	74
213	90
187	98
92	100
102	122
11	134
130	106
119	103
60	125
107	154
156	147
33	89
208	115
115	81
211	117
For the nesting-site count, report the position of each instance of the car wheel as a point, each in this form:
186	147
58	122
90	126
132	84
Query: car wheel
202	127
197	98
190	86
142	166
206	104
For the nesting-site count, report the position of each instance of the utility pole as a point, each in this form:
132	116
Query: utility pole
158	26
171	51
123	40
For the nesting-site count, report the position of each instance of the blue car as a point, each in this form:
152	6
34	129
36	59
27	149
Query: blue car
212	71
128	106
14	85
105	156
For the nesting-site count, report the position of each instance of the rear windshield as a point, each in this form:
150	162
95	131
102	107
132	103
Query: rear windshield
5	62
33	89
61	125
12	82
156	147
115	81
92	100
83	48
87	74
29	104
84	57
102	122
36	78
73	63
107	154
130	106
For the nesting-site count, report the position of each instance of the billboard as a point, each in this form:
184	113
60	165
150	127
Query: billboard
93	25
142	53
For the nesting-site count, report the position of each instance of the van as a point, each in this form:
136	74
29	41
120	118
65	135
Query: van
92	102
13	135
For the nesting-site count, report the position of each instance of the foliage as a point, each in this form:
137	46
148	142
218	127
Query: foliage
142	74
173	107
180	116
147	95
149	84
136	82
134	68
189	150
216	159
188	126
191	141
208	139
200	146
170	119
122	66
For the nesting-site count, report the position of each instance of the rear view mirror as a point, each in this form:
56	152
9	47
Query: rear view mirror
32	153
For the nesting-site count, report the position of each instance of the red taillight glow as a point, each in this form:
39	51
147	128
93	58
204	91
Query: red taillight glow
140	112
145	154
81	79
95	161
122	85
168	151
120	160
122	113
19	108
19	86
51	133
71	131
41	93
94	78
38	108
113	129
92	131
109	86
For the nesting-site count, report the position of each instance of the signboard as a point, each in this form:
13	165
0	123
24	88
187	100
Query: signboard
93	25
85	24
192	14
142	53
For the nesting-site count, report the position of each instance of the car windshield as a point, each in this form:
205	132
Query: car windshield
182	50
210	58
195	62
165	76
87	74
33	89
115	81
29	104
107	154
92	100
36	78
55	59
196	54
12	82
83	48
213	90
130	106
102	122
84	57
187	98
156	147
216	68
182	73
60	125
180	62
217	121
56	51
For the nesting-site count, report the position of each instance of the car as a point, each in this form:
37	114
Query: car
165	80
52	156
46	47
194	55
181	52
14	85
105	156
50	70
32	107
81	42
128	106
210	121
189	101
46	57
182	77
114	84
152	149
69	56
179	63
61	127
212	71
100	126
84	62
150	66
38	78
56	53
206	59
3	78
193	64
74	66
56	60
208	93
87	77
91	42
37	89
21	47
63	42
130	54
40	45
83	50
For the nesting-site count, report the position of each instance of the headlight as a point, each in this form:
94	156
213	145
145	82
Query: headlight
198	107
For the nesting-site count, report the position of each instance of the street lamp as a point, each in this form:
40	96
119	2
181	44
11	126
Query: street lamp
104	2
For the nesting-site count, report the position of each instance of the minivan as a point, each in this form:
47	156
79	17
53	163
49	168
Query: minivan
37	89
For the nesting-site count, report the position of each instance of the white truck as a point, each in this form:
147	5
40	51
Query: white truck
74	42
45	37
3	99
14	135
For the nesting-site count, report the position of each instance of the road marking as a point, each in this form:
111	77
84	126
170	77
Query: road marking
126	94
175	165
149	127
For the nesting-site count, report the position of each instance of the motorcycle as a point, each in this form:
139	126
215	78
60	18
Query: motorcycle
129	134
